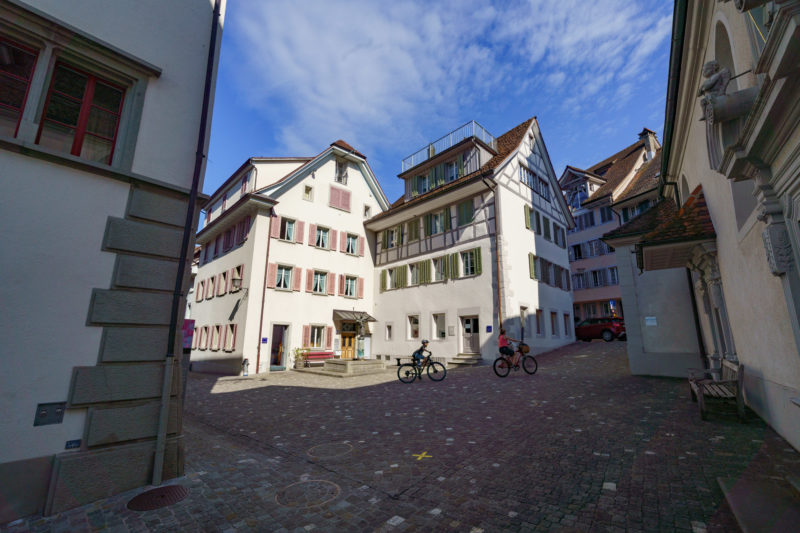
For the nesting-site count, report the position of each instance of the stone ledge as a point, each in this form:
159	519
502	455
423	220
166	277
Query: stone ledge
761	505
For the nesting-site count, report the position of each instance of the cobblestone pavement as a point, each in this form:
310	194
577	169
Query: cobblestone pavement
580	446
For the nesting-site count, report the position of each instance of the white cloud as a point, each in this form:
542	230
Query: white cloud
377	73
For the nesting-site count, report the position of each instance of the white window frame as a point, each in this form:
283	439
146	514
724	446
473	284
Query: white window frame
468	267
320	282
284	277
413	274
351	244
438	269
439	330
410	325
308	193
288	228
316	337
350	286
322	236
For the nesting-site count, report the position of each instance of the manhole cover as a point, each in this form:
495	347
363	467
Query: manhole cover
157	498
305	494
331	449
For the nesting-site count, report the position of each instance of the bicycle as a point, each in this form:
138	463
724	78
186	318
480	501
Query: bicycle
408	372
502	365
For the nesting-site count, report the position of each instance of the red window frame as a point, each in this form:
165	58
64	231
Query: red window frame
85	107
35	53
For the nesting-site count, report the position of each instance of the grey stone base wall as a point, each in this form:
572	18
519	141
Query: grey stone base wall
675	365
23	487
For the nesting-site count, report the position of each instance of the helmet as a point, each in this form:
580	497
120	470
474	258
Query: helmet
424	341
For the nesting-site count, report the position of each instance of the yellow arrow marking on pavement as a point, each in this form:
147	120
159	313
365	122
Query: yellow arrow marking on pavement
421	456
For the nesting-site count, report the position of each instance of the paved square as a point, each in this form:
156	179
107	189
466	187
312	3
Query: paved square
580	446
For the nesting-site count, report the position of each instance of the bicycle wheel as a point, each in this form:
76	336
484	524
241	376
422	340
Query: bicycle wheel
529	364
406	373
436	371
501	367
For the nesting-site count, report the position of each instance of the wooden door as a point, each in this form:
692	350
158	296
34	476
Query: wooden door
276	353
471	334
348	345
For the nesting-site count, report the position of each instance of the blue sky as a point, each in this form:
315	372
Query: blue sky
389	77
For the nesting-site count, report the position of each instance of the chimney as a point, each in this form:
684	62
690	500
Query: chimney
651	143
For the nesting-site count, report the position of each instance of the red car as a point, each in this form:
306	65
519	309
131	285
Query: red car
606	328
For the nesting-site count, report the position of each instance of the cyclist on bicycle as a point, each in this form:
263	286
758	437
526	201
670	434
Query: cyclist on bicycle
505	349
419	355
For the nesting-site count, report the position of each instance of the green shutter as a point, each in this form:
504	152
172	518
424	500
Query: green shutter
460	165
454	266
446	219
439	175
383	280
403	276
385	238
414	186
531	267
527	217
537	274
446	266
478	267
427	222
399	234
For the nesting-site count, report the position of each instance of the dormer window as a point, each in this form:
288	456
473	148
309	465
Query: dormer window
341	172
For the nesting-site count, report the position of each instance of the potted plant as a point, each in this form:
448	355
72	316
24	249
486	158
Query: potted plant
300	357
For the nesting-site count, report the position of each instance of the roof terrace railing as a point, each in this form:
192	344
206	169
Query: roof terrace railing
470	129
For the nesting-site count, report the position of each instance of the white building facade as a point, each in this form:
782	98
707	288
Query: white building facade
478	241
101	120
286	263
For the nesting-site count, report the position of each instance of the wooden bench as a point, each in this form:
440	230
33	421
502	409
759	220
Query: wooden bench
318	357
718	386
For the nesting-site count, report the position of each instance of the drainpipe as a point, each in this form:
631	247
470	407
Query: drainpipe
188	231
497	251
263	296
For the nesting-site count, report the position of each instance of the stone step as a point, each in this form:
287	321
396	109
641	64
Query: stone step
465	359
762	505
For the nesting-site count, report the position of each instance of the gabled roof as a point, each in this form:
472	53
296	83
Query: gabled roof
646	179
691	223
506	144
619	166
662	212
277	188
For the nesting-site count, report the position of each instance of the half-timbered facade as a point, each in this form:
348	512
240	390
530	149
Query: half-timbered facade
477	240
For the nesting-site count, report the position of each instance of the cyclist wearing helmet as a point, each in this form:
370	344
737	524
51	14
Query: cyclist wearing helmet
419	355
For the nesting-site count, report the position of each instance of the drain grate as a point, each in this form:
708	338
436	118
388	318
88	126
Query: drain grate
305	494
157	498
330	450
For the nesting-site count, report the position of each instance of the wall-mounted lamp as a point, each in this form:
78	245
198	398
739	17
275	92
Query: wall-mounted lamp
237	284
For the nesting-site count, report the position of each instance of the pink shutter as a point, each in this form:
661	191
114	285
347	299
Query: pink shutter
331	283
341	284
275	228
198	292
298	231
230	280
272	275
309	279
343	241
195	335
312	234
335	197
306	336
329	338
344	200
361	243
333	239
296	275
360	287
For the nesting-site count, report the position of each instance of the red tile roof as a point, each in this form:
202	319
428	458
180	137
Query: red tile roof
646	179
506	144
691	223
344	146
662	212
619	166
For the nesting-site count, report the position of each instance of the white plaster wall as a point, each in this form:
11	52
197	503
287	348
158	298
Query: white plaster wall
519	289
754	297
53	221
471	296
299	308
217	310
173	36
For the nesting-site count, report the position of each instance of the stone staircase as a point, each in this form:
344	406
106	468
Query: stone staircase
464	359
